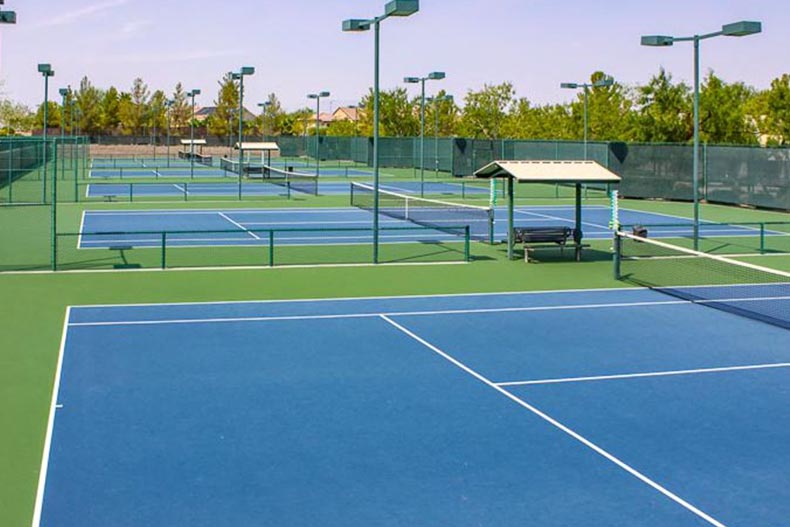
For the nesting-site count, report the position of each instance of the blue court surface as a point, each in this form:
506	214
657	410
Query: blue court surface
104	228
597	408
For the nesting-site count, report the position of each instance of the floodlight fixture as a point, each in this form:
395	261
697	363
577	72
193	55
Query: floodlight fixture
600	83
248	70
356	25
7	17
657	40
401	7
569	85
436	75
411	80
46	70
741	29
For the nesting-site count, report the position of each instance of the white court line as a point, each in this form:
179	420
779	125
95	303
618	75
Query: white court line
562	292
42	475
239	225
181	189
392	314
566	220
560	426
644	375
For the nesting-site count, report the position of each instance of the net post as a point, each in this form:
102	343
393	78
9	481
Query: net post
164	249
762	237
467	234
186	191
271	248
617	255
131	192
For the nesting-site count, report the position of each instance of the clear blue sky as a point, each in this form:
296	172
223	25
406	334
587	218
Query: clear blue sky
297	46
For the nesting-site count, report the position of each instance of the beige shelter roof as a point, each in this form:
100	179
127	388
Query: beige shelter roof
549	172
258	147
196	142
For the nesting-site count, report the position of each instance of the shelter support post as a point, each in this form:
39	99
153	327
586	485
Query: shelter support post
577	234
510	206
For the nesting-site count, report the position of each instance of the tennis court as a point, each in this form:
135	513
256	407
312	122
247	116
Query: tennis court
420	411
182	169
158	190
104	228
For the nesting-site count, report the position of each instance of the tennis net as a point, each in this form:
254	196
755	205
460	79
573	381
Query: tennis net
300	182
428	212
722	283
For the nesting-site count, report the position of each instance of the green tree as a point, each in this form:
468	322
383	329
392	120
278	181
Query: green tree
447	112
110	119
89	109
223	122
343	128
297	123
273	117
157	113
126	113
776	110
181	111
664	111
135	118
398	115
723	112
609	112
53	116
485	111
15	117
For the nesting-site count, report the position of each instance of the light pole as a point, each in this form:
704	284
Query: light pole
436	101
392	8
64	93
192	95
318	96
602	83
47	72
263	106
168	107
436	75
239	76
736	29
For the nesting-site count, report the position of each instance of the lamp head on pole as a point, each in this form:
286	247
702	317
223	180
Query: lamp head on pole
64	92
569	85
604	83
411	80
356	25
436	75
741	29
401	7
657	40
46	70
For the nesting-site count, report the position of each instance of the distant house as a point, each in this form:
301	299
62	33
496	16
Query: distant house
346	113
205	112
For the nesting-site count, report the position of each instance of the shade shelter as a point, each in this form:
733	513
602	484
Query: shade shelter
264	148
575	173
189	146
